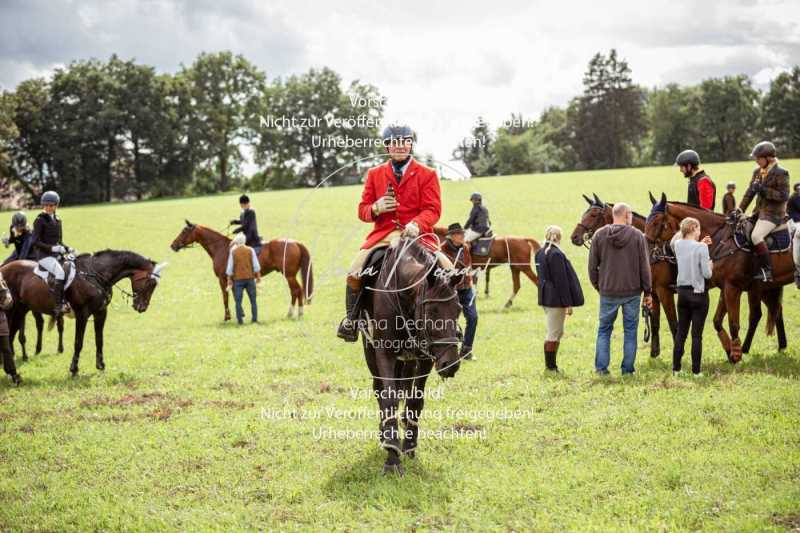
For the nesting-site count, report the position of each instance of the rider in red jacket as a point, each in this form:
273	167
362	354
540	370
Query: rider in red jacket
702	191
401	198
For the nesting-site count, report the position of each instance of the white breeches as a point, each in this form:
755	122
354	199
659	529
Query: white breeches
470	235
52	265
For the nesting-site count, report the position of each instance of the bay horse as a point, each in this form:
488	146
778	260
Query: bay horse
39	321
516	252
409	326
663	270
88	295
6	300
732	273
282	255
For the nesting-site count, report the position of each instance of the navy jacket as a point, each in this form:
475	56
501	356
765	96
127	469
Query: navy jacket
22	246
558	282
793	207
478	219
247	224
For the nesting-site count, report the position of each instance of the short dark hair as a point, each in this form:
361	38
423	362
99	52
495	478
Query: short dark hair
244	199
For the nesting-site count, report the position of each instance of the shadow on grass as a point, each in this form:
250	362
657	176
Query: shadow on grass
362	483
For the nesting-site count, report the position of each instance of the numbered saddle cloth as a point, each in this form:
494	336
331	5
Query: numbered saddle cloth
47	277
482	245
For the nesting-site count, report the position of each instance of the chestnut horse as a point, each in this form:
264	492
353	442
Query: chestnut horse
283	255
733	271
663	271
517	252
88	295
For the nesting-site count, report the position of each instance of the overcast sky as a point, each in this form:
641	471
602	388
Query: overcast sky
439	64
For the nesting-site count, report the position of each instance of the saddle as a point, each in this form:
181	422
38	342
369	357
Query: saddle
482	245
778	241
69	274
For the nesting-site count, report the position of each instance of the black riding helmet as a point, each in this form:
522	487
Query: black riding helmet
395	131
19	219
688	157
764	149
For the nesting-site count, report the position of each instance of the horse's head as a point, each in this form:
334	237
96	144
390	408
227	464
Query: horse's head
595	217
143	284
430	299
187	236
657	227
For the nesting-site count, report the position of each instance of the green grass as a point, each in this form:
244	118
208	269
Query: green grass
173	434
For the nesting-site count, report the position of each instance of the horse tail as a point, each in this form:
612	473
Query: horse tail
774	300
306	271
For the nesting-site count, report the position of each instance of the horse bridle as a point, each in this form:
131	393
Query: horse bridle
99	283
427	340
588	233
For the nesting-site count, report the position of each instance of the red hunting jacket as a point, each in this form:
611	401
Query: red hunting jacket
418	197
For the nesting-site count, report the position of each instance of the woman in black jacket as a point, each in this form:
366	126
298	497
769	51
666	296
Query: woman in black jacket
559	292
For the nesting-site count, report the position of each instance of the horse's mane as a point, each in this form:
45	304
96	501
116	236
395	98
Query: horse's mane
122	255
212	230
405	249
694	207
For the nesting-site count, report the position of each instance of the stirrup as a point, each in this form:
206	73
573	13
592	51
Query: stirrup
348	334
764	275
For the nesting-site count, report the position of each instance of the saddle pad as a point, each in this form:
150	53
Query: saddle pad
481	246
777	242
69	270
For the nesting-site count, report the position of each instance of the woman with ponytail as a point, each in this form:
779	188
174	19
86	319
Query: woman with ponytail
559	291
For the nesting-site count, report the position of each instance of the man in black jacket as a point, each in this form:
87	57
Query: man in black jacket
49	248
247	224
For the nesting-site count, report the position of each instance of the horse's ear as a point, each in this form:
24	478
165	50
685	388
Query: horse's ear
652	198
588	200
597	200
189	224
664	198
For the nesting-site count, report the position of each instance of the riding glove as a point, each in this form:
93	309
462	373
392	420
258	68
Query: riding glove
384	204
58	249
411	230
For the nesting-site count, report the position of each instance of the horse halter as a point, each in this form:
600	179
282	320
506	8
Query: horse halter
587	232
427	340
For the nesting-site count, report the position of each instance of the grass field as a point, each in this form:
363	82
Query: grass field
190	426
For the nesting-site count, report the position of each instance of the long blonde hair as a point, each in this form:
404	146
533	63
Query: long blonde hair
552	237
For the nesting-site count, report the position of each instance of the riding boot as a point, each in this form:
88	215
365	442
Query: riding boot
466	353
58	298
348	328
764	263
550	351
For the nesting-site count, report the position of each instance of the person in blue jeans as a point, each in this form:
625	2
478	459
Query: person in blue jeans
243	271
453	247
619	269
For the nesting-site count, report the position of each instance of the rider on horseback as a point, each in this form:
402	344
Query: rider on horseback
702	191
478	223
20	237
49	247
402	199
771	184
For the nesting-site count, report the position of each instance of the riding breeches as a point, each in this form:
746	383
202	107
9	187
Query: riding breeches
52	265
470	235
761	230
357	266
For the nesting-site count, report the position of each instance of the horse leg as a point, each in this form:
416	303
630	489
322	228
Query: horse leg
415	402
295	292
655	325
99	324
719	316
515	277
37	317
781	328
486	291
80	331
754	301
388	402
223	286
732	296
60	327
8	359
22	339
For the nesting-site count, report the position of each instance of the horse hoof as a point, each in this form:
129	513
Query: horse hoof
73	371
393	469
24	358
508	304
100	366
60	349
411	454
16	379
655	352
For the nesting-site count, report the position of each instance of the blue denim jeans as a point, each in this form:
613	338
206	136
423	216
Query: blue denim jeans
248	285
609	306
467	299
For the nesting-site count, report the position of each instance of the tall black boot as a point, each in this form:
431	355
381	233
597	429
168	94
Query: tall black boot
764	263
348	329
58	298
550	351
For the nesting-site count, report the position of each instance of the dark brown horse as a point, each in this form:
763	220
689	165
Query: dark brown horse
89	294
286	256
6	300
516	252
39	321
662	269
733	271
409	325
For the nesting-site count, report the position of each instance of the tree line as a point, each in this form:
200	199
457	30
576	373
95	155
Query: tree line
616	123
98	131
